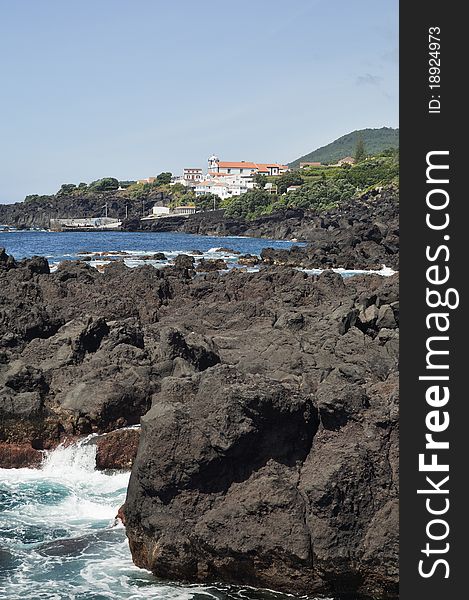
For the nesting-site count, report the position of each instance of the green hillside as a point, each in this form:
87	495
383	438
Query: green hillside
375	140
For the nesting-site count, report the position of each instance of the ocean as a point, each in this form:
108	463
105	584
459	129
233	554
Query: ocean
72	245
135	249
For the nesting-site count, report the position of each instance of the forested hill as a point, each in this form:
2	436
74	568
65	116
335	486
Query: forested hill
374	140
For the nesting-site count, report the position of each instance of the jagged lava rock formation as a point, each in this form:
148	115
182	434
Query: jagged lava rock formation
269	442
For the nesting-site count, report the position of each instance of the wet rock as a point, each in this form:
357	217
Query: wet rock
19	456
117	450
227	250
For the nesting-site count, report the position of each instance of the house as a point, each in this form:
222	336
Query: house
158	211
309	164
232	180
215	165
348	160
292	188
192	175
147	180
219	187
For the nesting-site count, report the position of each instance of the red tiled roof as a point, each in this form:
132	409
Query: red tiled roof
237	165
250	165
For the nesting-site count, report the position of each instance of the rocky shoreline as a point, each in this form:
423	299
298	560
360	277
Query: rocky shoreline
377	210
268	451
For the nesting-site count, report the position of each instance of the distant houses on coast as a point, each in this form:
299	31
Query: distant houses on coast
222	179
227	179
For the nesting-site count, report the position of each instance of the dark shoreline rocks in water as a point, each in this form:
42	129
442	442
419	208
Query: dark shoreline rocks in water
268	453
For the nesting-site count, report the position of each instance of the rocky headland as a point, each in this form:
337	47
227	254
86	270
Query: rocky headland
268	403
37	211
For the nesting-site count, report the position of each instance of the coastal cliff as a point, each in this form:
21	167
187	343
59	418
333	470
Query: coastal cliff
268	452
36	212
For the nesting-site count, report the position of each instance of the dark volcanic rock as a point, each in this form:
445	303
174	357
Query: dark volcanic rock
37	211
285	514
244	462
225	250
269	447
184	261
249	260
6	261
207	265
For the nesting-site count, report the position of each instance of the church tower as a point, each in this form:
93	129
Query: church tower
213	164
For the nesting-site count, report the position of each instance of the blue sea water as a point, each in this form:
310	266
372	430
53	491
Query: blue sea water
69	245
136	248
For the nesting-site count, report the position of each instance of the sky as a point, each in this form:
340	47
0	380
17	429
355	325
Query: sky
131	88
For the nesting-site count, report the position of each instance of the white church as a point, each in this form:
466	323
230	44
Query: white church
227	179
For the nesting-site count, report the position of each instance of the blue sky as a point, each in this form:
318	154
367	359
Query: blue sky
130	88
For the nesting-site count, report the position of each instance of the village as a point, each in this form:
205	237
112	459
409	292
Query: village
222	181
225	179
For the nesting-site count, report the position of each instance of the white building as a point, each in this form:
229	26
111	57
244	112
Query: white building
222	188
192	175
158	211
161	212
215	165
189	178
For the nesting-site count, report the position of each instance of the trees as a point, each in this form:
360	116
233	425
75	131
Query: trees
286	180
249	205
321	194
104	185
260	180
66	188
374	171
163	178
208	201
360	150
